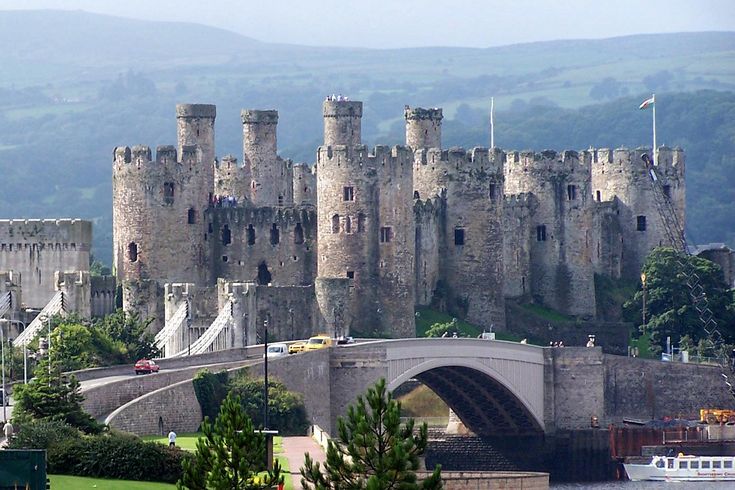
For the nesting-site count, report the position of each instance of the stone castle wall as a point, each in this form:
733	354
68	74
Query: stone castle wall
36	249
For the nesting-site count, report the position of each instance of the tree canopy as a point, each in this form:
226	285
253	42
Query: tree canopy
374	450
669	308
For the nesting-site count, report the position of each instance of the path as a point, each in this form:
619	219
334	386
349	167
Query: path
294	449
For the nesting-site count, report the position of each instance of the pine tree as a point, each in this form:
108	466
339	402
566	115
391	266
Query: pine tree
53	395
374	450
230	454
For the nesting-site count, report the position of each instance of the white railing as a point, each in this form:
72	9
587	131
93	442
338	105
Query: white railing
216	336
54	307
170	339
5	301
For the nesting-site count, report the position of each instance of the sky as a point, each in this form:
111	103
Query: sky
412	23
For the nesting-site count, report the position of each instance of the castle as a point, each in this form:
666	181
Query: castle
357	241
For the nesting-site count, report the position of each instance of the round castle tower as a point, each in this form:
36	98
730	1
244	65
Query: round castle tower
272	177
158	209
365	223
622	174
423	127
561	230
470	237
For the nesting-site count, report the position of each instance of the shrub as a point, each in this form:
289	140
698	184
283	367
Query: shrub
118	456
286	410
43	434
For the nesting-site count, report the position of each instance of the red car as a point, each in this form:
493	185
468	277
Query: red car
145	366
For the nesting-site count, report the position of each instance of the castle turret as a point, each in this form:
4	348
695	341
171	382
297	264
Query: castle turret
195	127
342	122
423	127
304	185
272	177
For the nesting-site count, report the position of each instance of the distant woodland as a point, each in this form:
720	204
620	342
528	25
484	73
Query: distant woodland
65	105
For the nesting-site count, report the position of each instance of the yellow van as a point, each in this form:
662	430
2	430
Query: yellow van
318	342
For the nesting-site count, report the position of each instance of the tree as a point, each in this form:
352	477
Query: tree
230	454
374	450
53	395
286	410
448	330
133	332
669	309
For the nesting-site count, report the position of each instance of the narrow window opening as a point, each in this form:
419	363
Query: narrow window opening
523	284
298	234
224	258
541	233
335	223
386	234
226	235
348	224
493	191
275	234
459	236
667	190
572	192
360	223
416	195
168	192
209	228
264	275
348	193
191	217
640	224
133	252
251	235
350	274
599	196
280	200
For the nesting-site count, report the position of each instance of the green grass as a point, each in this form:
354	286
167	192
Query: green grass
546	313
66	482
188	441
644	347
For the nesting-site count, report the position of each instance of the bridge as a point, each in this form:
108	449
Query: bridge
496	388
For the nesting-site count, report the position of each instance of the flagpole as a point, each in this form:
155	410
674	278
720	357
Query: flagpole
492	122
655	151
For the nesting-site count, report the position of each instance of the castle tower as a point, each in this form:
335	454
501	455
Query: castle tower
272	177
342	122
231	180
470	236
561	235
622	174
365	225
158	211
423	127
304	185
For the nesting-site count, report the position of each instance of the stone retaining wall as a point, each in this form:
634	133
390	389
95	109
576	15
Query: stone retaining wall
491	480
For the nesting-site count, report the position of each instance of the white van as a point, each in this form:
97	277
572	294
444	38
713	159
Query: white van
277	350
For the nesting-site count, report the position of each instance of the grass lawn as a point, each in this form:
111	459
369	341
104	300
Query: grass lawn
426	317
66	482
188	441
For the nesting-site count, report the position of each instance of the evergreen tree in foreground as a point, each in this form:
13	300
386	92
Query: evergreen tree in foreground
230	454
374	450
53	395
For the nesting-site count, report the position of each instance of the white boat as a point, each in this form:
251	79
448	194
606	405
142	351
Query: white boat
683	468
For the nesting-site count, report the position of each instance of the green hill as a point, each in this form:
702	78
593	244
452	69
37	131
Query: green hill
74	85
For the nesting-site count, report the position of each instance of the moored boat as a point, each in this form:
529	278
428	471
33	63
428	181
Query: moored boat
683	468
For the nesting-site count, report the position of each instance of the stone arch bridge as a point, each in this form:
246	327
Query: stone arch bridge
496	388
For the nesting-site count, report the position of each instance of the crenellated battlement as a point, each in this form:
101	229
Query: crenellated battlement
456	158
548	162
342	108
228	162
177	292
141	155
361	156
196	110
263	216
256	116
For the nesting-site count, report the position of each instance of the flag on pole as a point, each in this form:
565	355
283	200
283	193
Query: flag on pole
646	103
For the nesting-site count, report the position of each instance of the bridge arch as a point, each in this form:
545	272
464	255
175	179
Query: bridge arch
482	397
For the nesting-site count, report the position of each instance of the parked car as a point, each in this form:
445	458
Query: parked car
318	342
146	366
277	350
296	347
342	340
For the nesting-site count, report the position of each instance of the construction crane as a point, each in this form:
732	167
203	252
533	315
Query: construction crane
674	230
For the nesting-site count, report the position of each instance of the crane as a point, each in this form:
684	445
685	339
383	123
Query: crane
674	229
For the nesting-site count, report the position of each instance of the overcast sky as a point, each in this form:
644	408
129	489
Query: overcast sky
407	23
